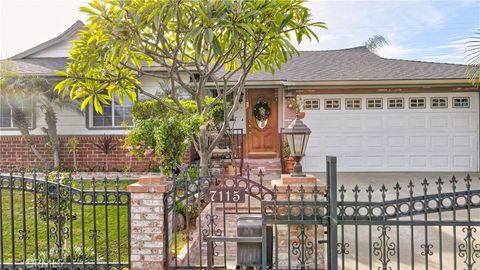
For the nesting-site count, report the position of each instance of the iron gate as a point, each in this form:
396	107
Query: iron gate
421	225
200	227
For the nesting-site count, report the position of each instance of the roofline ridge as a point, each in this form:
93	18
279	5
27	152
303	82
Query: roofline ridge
63	36
421	61
330	50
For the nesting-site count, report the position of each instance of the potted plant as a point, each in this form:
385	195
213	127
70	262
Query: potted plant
296	105
288	160
230	170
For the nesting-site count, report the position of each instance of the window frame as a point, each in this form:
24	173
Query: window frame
90	120
461	107
311	100
353	100
417	98
444	107
374	108
396	99
33	106
339	102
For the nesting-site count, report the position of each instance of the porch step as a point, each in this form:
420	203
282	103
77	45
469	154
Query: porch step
270	166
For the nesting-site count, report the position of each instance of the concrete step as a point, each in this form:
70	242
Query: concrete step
271	166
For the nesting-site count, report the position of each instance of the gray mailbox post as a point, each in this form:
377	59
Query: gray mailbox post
249	254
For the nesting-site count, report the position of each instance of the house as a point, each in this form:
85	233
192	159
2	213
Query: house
374	114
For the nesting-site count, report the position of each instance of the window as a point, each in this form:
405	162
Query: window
332	104
417	103
114	114
26	105
374	103
312	104
438	102
353	103
395	103
461	102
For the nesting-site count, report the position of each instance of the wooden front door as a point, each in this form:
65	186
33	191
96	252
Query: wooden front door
262	135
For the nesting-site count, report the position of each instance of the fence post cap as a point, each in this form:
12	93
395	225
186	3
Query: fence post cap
150	183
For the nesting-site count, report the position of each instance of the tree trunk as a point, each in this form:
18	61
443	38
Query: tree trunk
203	169
20	121
203	151
51	120
75	160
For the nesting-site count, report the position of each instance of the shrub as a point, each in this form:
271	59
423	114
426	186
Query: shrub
167	134
76	255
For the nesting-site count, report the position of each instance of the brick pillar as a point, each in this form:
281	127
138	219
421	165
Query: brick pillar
309	182
147	222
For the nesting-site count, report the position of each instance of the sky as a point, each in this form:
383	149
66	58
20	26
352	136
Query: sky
436	31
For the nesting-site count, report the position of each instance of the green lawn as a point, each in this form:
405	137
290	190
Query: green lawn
36	227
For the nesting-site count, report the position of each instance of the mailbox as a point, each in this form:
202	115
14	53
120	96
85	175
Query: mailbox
249	255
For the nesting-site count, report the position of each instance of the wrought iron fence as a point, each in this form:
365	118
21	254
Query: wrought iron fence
425	225
55	222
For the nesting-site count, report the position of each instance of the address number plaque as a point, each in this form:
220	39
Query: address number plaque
225	195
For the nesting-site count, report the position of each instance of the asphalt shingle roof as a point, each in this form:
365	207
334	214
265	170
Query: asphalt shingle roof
36	66
353	64
358	64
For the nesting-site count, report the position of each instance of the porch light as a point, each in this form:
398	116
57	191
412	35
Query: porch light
297	135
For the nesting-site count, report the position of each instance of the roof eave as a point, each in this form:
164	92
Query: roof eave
353	83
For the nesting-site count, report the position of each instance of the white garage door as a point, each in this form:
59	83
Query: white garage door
393	132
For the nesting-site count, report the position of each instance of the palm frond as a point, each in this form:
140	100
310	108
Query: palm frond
376	42
473	61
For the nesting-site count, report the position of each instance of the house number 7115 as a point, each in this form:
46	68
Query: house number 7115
226	195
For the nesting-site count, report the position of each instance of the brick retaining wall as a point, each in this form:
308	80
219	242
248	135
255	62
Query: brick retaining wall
14	151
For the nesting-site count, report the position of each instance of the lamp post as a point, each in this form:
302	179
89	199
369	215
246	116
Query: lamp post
297	135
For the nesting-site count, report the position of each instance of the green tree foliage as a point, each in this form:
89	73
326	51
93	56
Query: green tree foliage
202	46
166	134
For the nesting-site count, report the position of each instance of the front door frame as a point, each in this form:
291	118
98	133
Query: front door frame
251	125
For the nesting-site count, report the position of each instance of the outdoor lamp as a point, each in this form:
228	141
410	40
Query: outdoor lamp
297	134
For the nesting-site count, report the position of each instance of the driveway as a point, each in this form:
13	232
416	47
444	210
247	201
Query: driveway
445	242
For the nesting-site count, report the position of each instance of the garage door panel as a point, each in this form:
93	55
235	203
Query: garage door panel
418	142
461	141
395	142
439	141
394	139
417	122
374	122
438	122
353	141
418	162
462	161
375	162
397	161
350	123
353	161
375	141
